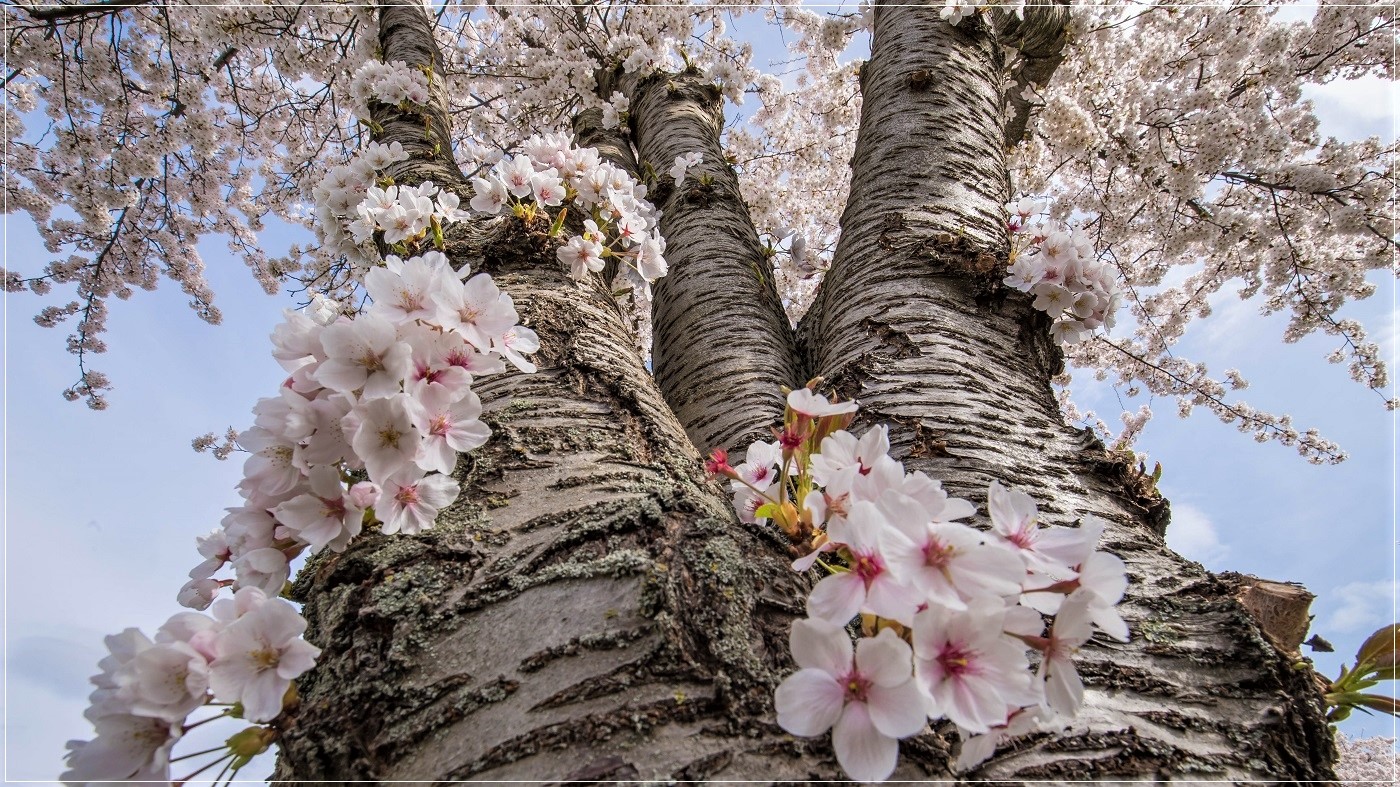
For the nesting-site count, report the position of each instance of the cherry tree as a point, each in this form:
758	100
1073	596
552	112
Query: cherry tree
562	251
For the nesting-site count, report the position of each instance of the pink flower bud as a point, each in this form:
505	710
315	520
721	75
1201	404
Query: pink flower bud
364	494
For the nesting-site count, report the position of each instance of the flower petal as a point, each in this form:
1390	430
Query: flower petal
808	702
865	754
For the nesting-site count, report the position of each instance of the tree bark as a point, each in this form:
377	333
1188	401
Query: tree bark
590	609
722	342
913	321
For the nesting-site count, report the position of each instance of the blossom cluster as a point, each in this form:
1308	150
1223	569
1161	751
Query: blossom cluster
552	172
244	656
365	431
370	420
683	163
955	11
351	206
388	83
1056	263
948	613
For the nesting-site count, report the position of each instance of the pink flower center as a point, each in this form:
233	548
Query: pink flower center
956	660
868	566
1025	537
856	686
407	495
937	554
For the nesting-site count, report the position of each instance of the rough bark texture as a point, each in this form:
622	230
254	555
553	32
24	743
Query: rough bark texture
721	342
405	33
590	609
914	322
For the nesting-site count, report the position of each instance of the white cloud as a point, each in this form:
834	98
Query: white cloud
1355	108
1193	535
1361	606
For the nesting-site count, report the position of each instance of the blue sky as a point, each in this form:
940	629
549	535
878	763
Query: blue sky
102	508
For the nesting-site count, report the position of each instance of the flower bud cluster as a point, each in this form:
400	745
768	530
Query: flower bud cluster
552	172
948	613
245	654
1056	263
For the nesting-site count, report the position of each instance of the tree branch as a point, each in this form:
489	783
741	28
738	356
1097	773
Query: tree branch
720	292
1040	38
55	13
406	34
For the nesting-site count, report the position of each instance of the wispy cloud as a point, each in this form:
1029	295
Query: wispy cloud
1361	606
1193	535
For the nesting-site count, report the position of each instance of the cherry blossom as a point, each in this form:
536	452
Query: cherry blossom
866	698
258	655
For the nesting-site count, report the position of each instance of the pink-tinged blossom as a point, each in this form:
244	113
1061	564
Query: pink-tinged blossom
411	501
197	631
449	427
262	569
815	405
1064	690
582	256
324	516
259	655
968	668
121	649
127	748
329	443
977	748
747	502
363	495
547	188
843	457
250	526
490	195
514	344
869	585
1016	525
269	469
386	439
516	173
198	593
215	549
403	290
165	681
869	701
760	466
477	309
296	341
949	563
650	258
364	353
929	494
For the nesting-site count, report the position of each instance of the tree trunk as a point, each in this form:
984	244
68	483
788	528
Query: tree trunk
722	343
913	322
590	609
